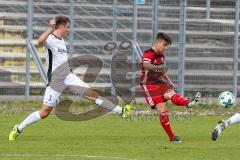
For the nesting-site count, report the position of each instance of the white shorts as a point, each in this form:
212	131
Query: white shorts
73	82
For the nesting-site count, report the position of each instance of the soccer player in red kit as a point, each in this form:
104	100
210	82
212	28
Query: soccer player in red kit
158	87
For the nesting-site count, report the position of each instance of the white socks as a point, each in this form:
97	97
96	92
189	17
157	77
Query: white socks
105	103
232	120
99	101
117	110
32	118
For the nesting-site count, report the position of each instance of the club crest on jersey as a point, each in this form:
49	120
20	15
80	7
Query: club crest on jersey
158	60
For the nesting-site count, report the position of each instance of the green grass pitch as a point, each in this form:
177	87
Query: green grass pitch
112	138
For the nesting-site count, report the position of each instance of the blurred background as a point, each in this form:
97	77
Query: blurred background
203	56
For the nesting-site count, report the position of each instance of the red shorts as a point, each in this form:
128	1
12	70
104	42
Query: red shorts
154	93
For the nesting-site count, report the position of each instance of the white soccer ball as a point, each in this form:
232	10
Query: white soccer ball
226	99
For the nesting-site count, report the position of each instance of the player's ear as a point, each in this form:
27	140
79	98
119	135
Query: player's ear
52	23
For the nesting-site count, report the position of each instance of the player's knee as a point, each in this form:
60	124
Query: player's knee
44	112
90	94
169	94
161	107
43	115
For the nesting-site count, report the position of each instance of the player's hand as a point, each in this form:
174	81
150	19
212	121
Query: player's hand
52	23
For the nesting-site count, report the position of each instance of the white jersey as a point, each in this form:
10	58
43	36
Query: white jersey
56	52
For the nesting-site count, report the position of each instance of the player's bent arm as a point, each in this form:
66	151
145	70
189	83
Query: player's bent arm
147	65
42	39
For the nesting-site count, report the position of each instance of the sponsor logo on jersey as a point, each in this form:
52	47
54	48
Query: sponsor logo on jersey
62	50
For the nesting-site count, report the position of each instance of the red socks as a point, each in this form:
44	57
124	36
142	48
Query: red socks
179	100
163	117
164	120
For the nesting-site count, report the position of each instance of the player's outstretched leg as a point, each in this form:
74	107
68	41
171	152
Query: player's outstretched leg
180	100
218	130
126	111
194	100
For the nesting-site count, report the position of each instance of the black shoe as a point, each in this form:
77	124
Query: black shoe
218	130
176	139
195	99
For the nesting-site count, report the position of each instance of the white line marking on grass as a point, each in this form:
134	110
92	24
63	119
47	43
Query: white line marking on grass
64	155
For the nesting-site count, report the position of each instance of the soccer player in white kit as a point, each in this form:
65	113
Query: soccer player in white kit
60	77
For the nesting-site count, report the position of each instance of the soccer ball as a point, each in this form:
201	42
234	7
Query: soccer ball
226	99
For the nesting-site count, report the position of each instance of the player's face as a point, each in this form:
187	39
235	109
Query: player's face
66	29
162	46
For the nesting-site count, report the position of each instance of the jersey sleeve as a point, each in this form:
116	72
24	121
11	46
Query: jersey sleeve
49	42
147	57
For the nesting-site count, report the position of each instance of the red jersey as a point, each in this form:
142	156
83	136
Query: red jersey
149	76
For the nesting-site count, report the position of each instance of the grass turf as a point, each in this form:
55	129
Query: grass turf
111	137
